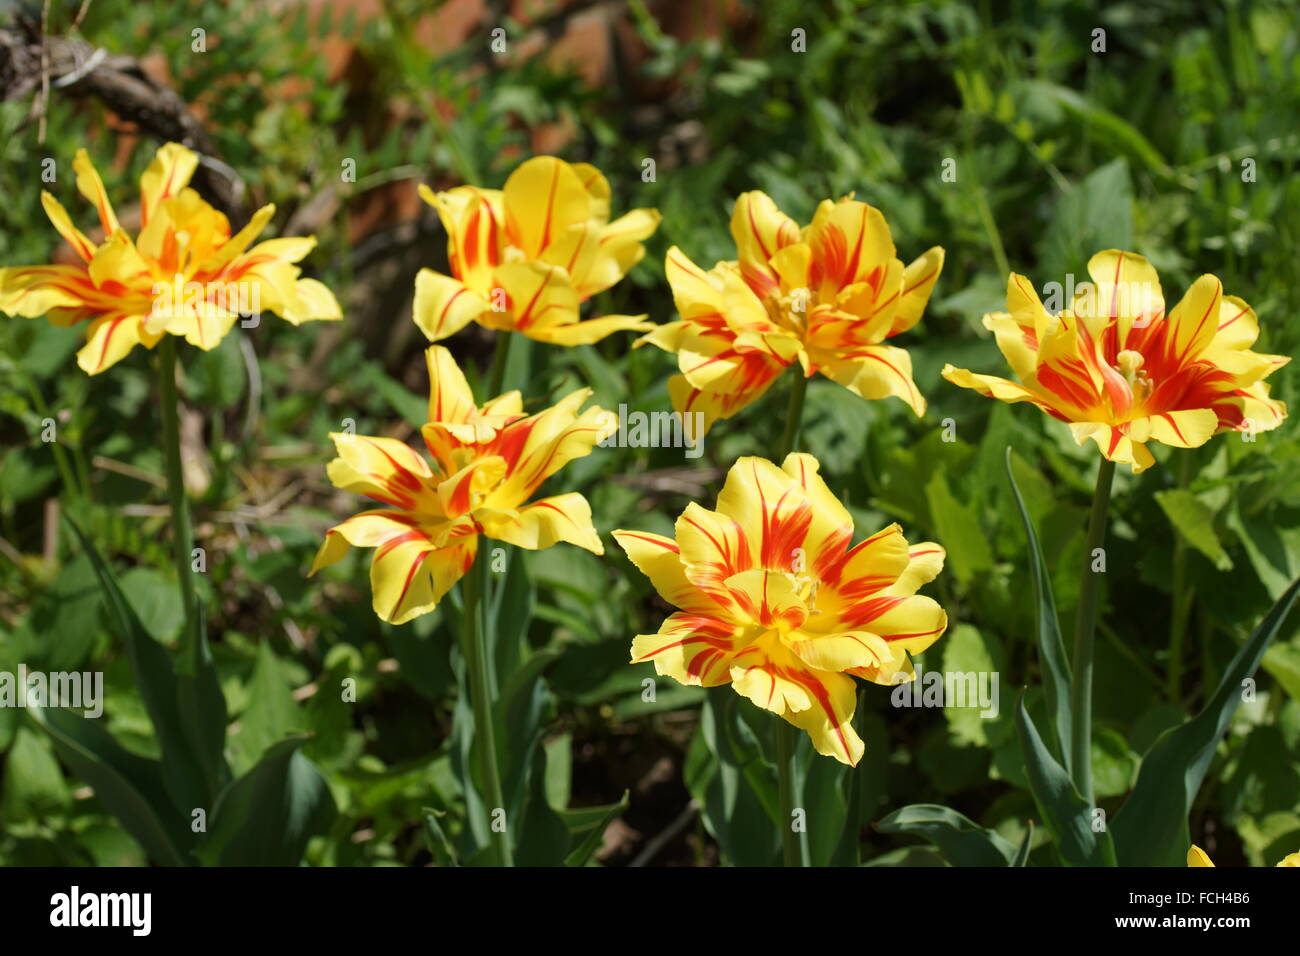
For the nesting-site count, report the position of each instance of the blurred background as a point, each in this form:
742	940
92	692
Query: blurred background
1061	148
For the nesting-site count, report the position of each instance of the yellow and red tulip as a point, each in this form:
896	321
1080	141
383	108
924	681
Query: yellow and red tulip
484	465
1119	370
525	257
184	256
773	600
829	296
1198	857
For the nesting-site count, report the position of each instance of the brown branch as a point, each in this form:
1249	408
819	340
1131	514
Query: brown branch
73	66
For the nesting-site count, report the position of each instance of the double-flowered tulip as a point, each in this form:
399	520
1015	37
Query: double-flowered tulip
773	600
525	257
184	274
484	466
1119	370
829	296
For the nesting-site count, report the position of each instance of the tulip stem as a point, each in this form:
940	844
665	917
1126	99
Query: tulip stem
793	415
182	532
478	661
500	357
791	841
1085	627
1181	596
791	846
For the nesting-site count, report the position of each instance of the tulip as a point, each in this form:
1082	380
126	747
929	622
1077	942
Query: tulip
773	601
184	274
525	257
829	296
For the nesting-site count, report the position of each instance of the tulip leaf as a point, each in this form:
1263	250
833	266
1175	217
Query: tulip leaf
130	787
440	845
961	841
584	851
1051	647
1022	854
1194	520
266	817
1151	827
188	777
1068	815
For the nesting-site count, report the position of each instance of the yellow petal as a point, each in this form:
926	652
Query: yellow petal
819	702
1194	321
408	575
543	198
168	173
537	296
92	187
110	338
760	229
878	371
32	291
1198	857
695	649
443	306
544	522
659	559
590	330
620	248
63	223
918	282
384	469
1127	290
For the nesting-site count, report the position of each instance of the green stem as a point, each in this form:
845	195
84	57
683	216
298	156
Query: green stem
791	850
500	357
182	534
1085	625
1180	596
478	660
791	843
75	491
793	415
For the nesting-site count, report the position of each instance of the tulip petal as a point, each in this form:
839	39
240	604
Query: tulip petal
544	522
168	173
443	306
543	197
92	187
692	648
110	338
63	223
877	371
384	469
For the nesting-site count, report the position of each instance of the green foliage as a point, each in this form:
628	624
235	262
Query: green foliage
1058	152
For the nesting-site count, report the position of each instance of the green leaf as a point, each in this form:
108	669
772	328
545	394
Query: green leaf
443	850
1022	854
1068	816
185	775
33	783
1151	827
959	529
271	714
584	851
266	817
961	841
1096	214
1051	648
129	787
1195	522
